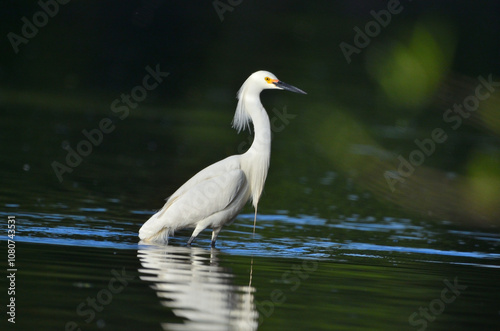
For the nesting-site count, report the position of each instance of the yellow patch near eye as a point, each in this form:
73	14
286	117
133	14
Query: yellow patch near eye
269	80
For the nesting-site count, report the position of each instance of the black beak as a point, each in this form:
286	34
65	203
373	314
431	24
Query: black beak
287	87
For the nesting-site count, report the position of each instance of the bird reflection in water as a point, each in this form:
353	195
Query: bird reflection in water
189	281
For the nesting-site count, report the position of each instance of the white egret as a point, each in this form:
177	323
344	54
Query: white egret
216	194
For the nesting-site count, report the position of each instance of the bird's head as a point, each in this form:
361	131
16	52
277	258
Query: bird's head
264	80
250	90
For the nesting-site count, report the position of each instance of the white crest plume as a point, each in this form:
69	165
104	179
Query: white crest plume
242	119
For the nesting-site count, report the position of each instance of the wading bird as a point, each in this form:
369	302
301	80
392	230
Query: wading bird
216	194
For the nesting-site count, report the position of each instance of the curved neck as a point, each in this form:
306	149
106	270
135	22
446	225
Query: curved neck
258	155
262	127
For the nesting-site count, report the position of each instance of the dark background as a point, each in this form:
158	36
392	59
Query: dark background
394	91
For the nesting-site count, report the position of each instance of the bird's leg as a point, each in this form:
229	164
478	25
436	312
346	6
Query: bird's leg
215	233
196	231
254	221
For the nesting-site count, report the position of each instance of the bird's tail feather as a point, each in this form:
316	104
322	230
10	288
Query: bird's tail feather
150	231
159	236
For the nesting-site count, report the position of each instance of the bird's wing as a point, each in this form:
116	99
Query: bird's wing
211	190
214	170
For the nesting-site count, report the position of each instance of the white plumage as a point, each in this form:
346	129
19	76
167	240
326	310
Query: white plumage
216	194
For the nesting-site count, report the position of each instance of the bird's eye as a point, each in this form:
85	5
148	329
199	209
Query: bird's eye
268	80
